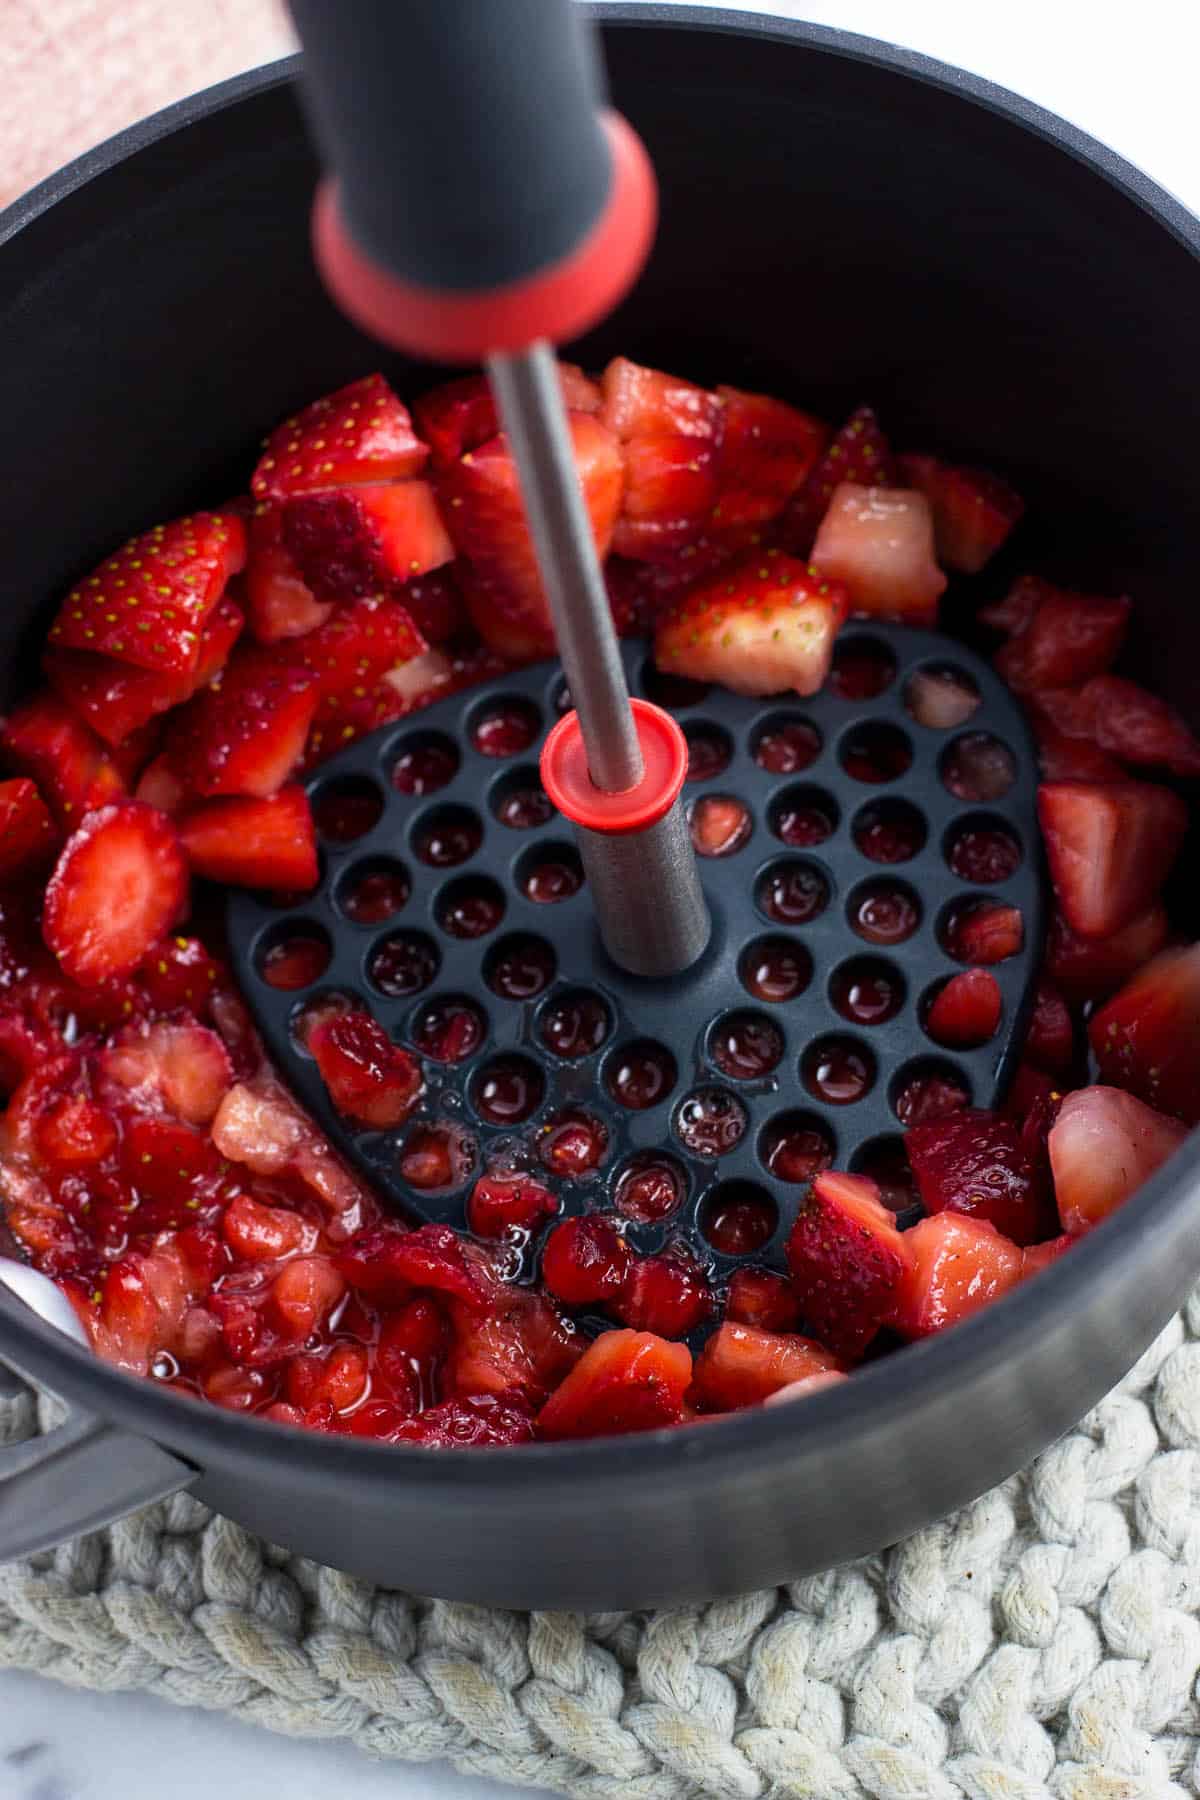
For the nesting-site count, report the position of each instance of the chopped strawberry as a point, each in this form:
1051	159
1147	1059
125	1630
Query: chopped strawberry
1093	968
279	602
387	1262
763	1298
956	1266
162	1158
665	1294
148	604
357	645
28	838
640	593
75	1133
483	510
1103	1146
460	415
119	885
1050	1040
254	843
43	739
434	603
144	1299
586	1261
159	786
859	452
1119	716
768	451
1014	611
641	402
985	932
1036	1257
245	733
259	1233
624	1381
476	1423
1147	1037
175	1061
409	1352
1063	758
1069	638
761	627
370	1079
879	541
966	1011
973	512
740	1365
358	540
940	699
503	1205
303	1295
521	1344
180	973
975	1164
847	1262
1110	847
116	699
361	433
670	488
338	1378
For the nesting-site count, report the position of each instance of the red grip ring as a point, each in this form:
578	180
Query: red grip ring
566	778
558	303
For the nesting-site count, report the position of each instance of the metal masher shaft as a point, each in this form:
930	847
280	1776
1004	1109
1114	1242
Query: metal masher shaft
528	394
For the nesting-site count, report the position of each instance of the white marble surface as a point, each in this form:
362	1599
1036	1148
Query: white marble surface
1127	75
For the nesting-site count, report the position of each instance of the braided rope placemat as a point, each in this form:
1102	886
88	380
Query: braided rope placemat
1043	1641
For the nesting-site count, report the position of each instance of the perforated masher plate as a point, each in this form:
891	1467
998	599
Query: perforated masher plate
682	1013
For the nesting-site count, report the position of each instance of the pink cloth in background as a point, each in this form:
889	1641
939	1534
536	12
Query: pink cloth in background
72	72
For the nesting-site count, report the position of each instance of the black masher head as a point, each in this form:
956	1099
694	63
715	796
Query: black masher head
452	905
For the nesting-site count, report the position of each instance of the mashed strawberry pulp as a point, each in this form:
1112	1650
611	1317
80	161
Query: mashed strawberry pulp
208	1236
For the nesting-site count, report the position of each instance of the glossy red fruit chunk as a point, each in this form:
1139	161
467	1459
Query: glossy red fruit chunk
1103	1146
665	1294
254	843
387	1263
360	433
956	1265
624	1381
174	1062
370	1079
1110	848
43	740
256	1232
119	885
245	732
572	1143
966	1012
279	602
586	1261
765	625
75	1134
763	1298
741	1364
28	838
351	543
879	543
1050	1040
975	1164
409	1353
670	487
847	1262
650	1188
768	451
336	1377
520	1345
859	452
501	1206
1147	1037
181	972
973	512
461	415
477	1423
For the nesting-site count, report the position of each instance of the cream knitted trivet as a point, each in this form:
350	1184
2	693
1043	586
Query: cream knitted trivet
1041	1642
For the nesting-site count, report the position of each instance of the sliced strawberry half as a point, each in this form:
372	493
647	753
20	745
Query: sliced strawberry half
245	733
859	452
370	1079
1110	847
253	843
360	433
355	541
764	626
879	541
624	1381
741	1365
279	602
847	1262
483	510
28	838
768	451
974	1163
966	1011
1093	968
973	512
119	885
358	645
1069	638
503	1206
1103	1146
175	1061
43	739
956	1266
148	603
1147	1037
460	415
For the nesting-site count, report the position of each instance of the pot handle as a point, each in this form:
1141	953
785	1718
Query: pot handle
76	1478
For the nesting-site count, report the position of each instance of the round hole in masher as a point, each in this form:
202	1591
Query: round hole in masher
982	849
673	691
446	836
710	1121
980	931
792	891
737	1218
719	825
889	831
519	801
709	748
867	990
785	744
436	1158
520	967
775	969
863	668
311	1012
941	696
503	726
293	954
403	963
977	768
470	907
549	872
883	912
796	1146
572	1143
745	1045
423	762
574	1023
875	752
974	1016
640	1074
650	1187
884	1160
838	1070
507	1090
928	1088
449	1028
803	816
373	891
346	808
